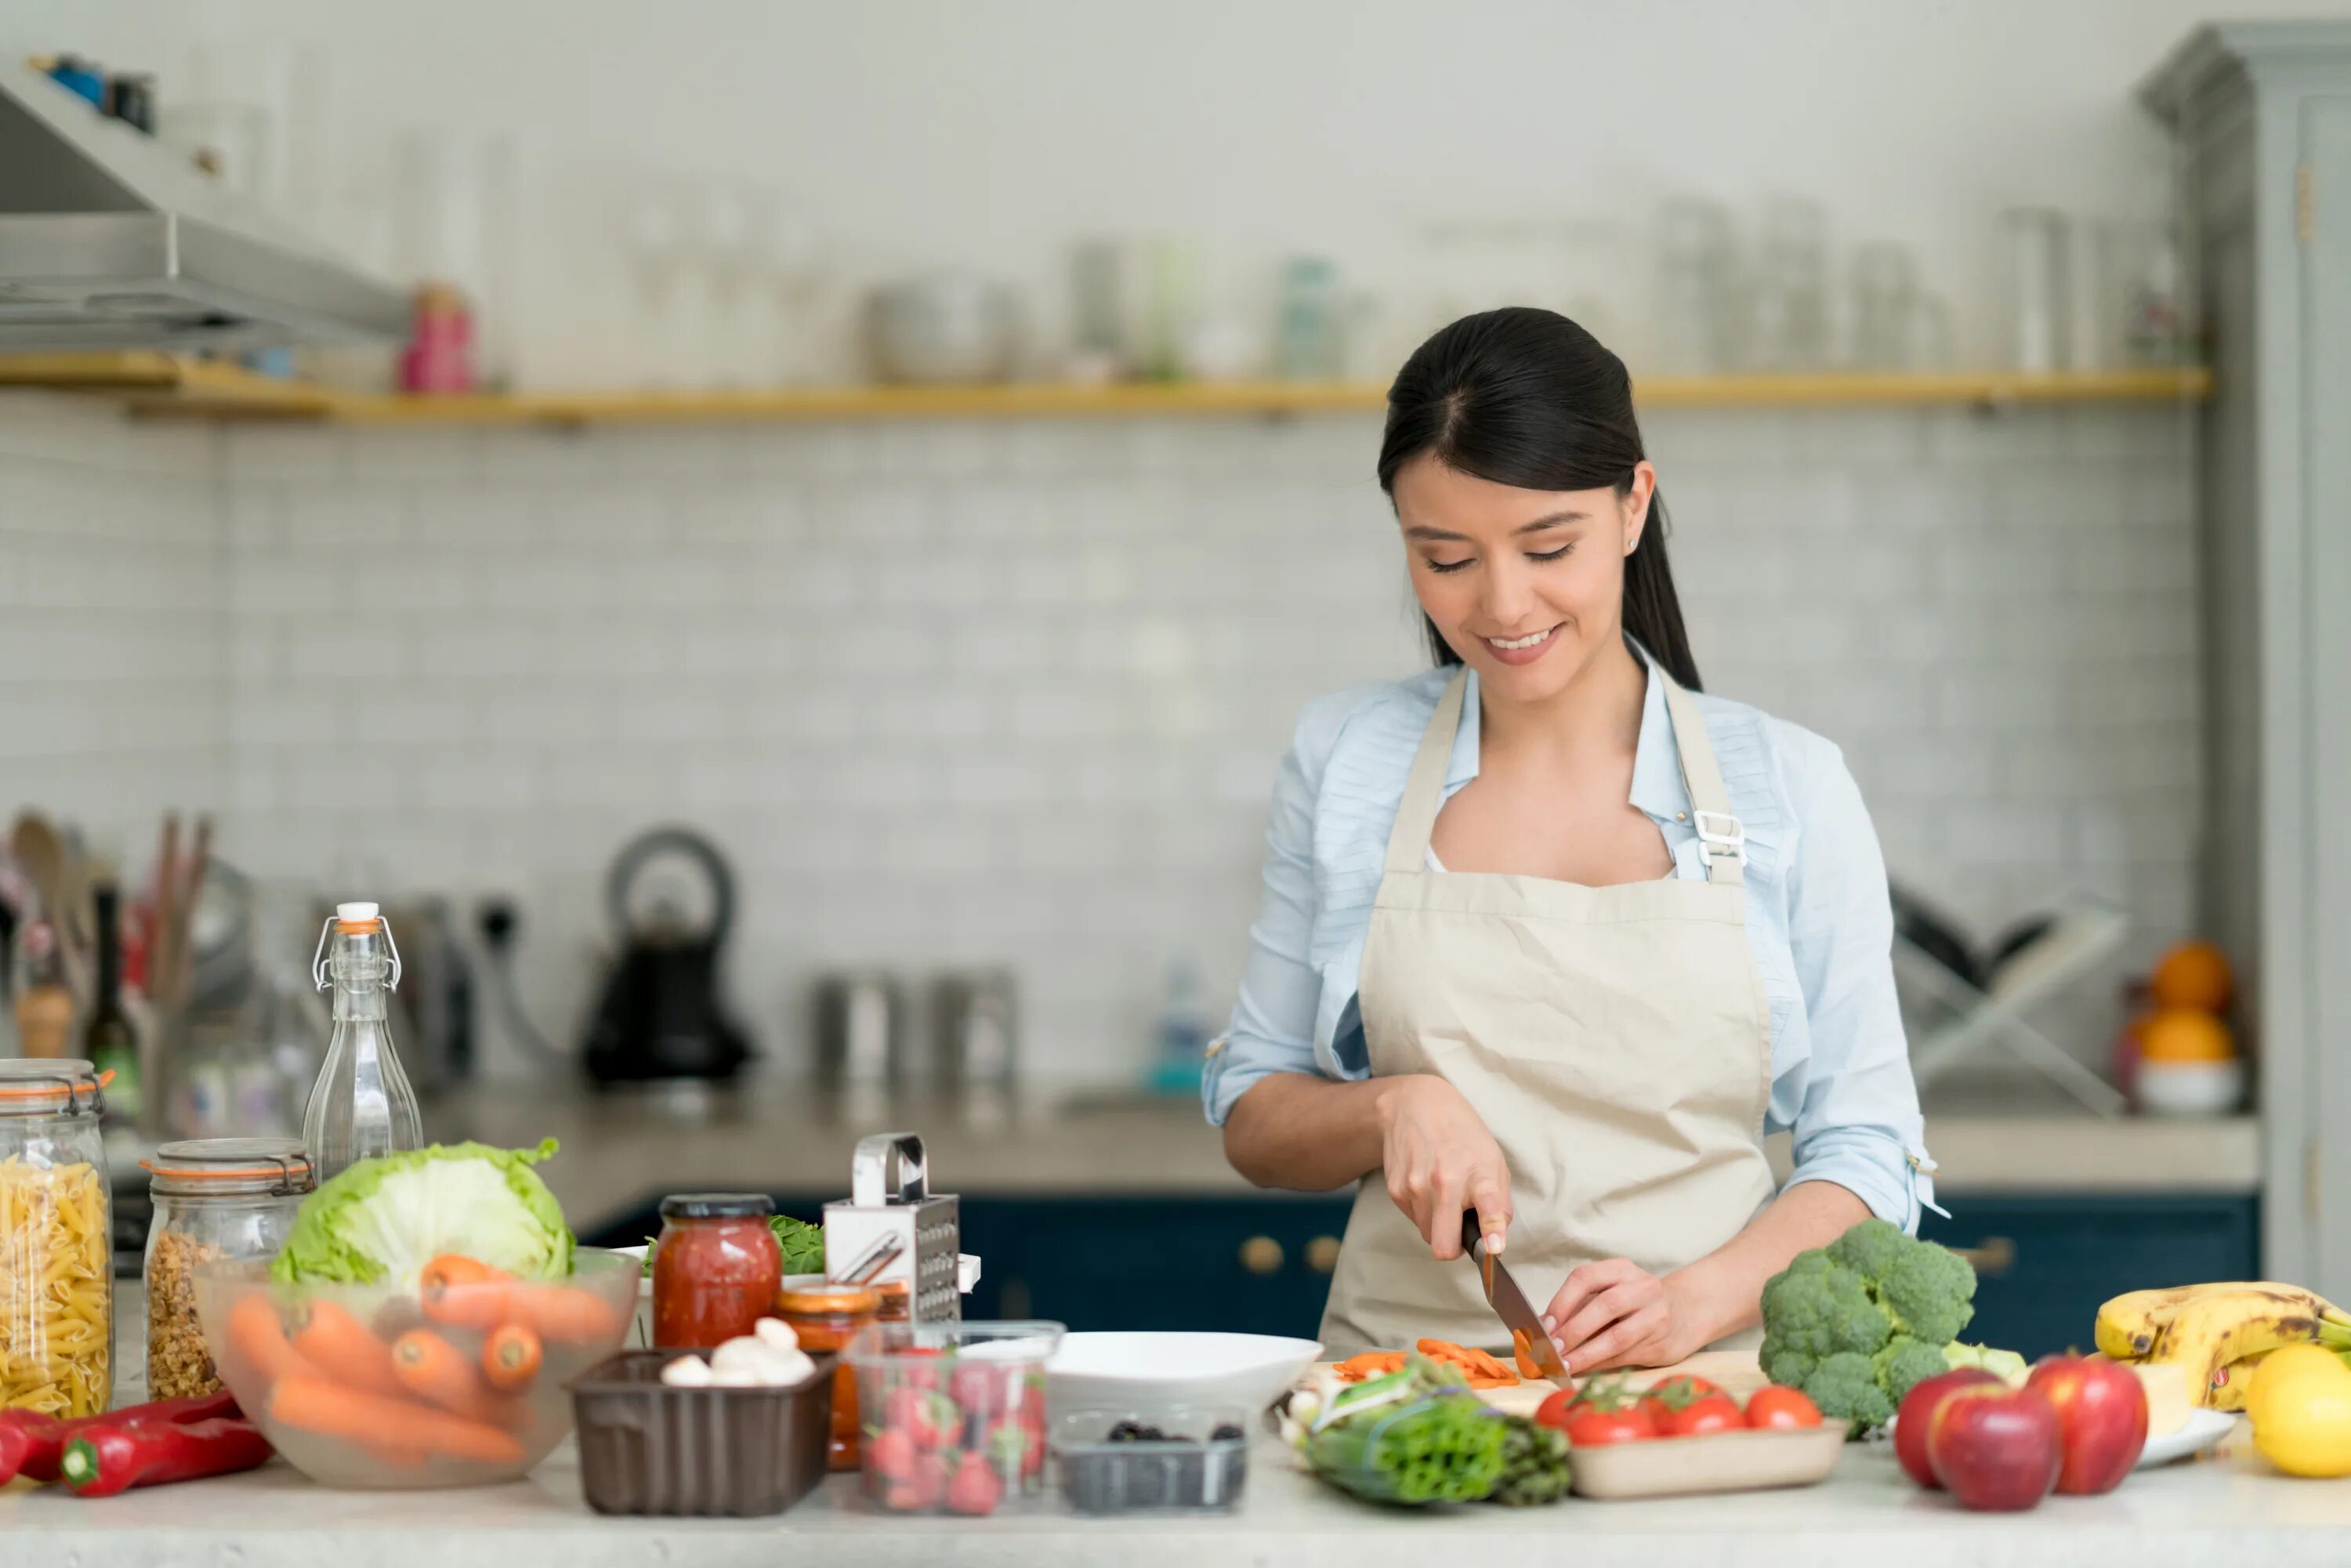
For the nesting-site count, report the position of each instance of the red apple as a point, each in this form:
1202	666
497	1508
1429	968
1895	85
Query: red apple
2101	1419
1994	1446
1917	1415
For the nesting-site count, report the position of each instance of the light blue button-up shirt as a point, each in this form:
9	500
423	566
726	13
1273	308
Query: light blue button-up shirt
1818	918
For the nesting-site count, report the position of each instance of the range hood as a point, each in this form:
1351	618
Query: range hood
110	240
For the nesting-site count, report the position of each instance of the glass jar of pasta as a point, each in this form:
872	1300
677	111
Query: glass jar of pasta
56	1256
215	1198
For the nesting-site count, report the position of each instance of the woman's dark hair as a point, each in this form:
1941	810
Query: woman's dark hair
1527	398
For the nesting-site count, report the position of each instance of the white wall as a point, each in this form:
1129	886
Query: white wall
113	689
931	131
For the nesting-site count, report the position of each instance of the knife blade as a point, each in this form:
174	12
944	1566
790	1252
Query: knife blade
1510	1303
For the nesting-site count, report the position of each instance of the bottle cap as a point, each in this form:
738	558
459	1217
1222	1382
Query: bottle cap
355	914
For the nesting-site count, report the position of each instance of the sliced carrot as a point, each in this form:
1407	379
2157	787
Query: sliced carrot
1370	1363
433	1369
335	1410
511	1356
256	1334
345	1349
1518	1354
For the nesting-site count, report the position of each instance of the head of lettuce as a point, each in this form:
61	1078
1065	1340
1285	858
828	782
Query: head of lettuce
381	1221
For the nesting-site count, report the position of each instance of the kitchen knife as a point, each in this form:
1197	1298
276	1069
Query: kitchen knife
1510	1303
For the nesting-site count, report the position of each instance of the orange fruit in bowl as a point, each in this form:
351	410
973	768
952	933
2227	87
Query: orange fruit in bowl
2185	1034
2192	975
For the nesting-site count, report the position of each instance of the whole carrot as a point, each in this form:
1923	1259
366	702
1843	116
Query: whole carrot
511	1357
346	1349
333	1410
255	1334
461	1292
433	1369
561	1313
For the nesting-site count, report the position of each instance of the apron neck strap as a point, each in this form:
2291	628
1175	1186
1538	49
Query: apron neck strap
1720	839
1424	787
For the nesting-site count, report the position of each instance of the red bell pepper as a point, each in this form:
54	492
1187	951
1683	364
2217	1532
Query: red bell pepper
32	1445
110	1458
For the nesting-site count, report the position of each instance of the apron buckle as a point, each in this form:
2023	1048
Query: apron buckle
1719	835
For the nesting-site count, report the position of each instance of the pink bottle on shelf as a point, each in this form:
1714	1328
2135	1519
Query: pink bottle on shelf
440	353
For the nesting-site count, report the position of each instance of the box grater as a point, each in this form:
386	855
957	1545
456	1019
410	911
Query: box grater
927	1227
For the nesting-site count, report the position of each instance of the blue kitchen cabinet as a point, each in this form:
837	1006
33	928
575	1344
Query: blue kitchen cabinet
1260	1263
2045	1263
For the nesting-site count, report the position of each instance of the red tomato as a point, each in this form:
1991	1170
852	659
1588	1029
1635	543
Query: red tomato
1708	1413
1674	1393
1592	1428
1782	1409
1602	1411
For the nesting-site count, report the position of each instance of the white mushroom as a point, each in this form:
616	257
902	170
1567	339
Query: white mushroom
687	1372
777	1333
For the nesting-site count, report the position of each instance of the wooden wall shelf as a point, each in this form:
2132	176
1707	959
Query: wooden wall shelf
158	385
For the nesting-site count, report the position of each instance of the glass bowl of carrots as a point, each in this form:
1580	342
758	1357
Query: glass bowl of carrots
456	1380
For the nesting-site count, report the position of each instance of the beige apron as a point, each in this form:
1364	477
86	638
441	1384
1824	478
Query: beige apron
1614	1039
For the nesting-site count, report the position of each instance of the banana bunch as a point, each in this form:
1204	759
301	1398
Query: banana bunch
2216	1334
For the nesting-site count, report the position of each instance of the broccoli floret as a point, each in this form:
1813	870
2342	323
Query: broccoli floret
1821	1307
1904	1363
1869	1248
1930	1290
1783	1364
1845	1386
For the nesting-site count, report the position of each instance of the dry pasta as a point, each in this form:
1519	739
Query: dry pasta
56	1278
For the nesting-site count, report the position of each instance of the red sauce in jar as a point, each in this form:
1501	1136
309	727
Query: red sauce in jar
715	1268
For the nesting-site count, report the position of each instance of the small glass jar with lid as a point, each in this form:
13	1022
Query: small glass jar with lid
827	1316
57	1250
216	1199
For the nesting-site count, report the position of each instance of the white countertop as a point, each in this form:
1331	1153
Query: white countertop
621	1151
1867	1516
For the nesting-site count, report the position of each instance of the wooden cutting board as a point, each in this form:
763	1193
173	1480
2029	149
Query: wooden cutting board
1736	1370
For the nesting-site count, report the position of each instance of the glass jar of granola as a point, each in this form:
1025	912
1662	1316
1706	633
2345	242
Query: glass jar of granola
229	1198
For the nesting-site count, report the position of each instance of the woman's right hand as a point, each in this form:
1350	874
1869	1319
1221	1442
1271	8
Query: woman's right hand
1438	1160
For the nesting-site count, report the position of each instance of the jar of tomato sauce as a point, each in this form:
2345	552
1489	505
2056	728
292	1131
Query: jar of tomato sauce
827	1317
715	1268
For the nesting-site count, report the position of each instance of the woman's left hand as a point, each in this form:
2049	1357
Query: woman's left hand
1617	1313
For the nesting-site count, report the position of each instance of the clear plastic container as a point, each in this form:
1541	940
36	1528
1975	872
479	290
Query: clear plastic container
954	1413
1177	1459
57	1258
215	1198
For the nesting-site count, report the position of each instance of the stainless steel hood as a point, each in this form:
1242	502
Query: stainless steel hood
109	240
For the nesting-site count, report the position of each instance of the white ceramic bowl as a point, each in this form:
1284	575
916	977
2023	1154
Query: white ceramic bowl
2190	1088
1143	1372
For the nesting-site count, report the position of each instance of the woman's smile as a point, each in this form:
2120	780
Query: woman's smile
1523	650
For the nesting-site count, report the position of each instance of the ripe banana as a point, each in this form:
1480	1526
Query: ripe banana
2131	1327
2228	1389
2210	1332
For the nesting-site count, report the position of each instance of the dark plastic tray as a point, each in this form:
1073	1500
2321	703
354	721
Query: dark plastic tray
647	1448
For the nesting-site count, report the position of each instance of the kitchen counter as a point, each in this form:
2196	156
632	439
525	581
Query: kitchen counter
621	1150
1866	1516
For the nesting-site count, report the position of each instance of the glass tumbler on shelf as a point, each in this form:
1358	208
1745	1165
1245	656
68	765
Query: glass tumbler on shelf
1696	288
56	1247
2037	277
361	1105
1787	303
216	1199
1885	297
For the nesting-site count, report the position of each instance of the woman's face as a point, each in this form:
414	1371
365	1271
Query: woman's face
1526	585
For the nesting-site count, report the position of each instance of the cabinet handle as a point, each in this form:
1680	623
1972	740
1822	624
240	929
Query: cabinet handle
1261	1255
1996	1257
1322	1254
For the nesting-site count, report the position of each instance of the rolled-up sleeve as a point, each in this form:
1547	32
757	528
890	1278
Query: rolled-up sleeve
1272	1027
1858	1123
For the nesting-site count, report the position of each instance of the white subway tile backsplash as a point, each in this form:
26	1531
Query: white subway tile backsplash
1018	691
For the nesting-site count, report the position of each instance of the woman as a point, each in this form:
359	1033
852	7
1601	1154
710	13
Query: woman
1548	936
